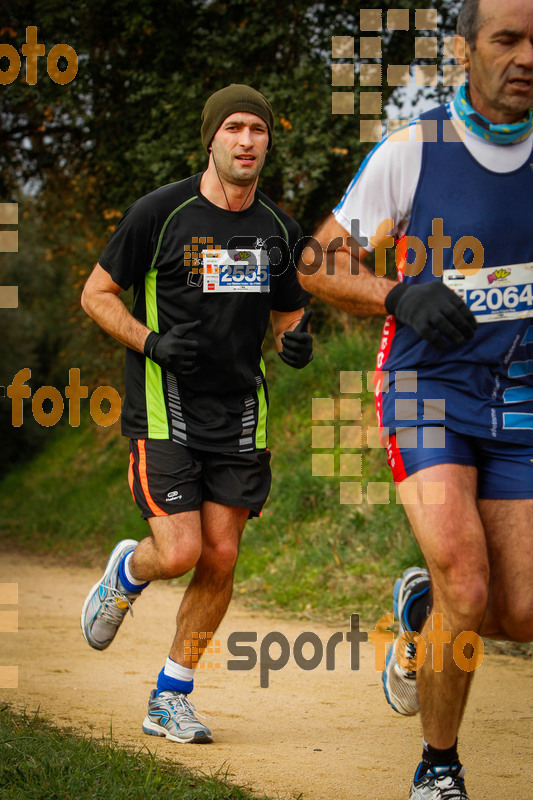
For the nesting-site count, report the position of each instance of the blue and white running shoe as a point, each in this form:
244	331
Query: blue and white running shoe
414	583
399	684
171	714
439	783
108	601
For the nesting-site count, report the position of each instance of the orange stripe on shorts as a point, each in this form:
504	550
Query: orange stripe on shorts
144	482
130	475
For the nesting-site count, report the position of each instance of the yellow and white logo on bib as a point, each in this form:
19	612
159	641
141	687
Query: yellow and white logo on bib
235	271
495	293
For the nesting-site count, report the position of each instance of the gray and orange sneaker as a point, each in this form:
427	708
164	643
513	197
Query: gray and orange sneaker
108	601
172	714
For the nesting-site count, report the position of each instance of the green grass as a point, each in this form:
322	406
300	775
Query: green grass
72	499
40	762
307	555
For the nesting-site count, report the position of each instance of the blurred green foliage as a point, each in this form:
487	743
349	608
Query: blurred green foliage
74	156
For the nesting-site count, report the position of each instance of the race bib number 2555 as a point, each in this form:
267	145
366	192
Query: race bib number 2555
235	271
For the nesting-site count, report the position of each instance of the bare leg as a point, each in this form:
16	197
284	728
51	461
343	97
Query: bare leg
509	530
208	540
209	593
452	539
172	548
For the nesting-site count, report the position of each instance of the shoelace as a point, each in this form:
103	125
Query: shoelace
451	789
450	784
410	653
111	612
181	705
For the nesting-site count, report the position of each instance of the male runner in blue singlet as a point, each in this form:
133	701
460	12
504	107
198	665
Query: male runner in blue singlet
457	348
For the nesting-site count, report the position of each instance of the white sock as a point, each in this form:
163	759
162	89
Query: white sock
127	571
175	670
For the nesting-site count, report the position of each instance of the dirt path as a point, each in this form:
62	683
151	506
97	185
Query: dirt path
324	734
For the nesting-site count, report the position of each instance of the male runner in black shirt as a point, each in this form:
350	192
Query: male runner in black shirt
211	259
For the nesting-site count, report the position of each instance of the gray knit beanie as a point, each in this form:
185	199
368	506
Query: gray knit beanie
235	97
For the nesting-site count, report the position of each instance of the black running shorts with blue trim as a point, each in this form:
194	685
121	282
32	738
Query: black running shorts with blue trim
166	478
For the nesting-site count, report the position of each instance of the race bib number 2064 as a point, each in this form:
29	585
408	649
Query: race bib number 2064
494	294
235	271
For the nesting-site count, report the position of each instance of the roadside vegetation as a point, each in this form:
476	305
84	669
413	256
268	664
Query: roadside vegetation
39	761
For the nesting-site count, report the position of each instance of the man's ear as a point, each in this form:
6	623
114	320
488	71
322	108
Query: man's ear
461	51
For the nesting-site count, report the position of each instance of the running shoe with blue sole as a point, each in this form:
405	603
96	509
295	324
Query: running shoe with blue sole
172	714
399	684
439	783
108	601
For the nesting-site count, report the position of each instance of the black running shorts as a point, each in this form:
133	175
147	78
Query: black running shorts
167	478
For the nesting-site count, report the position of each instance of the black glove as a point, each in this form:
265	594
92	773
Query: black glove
433	311
172	350
297	345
